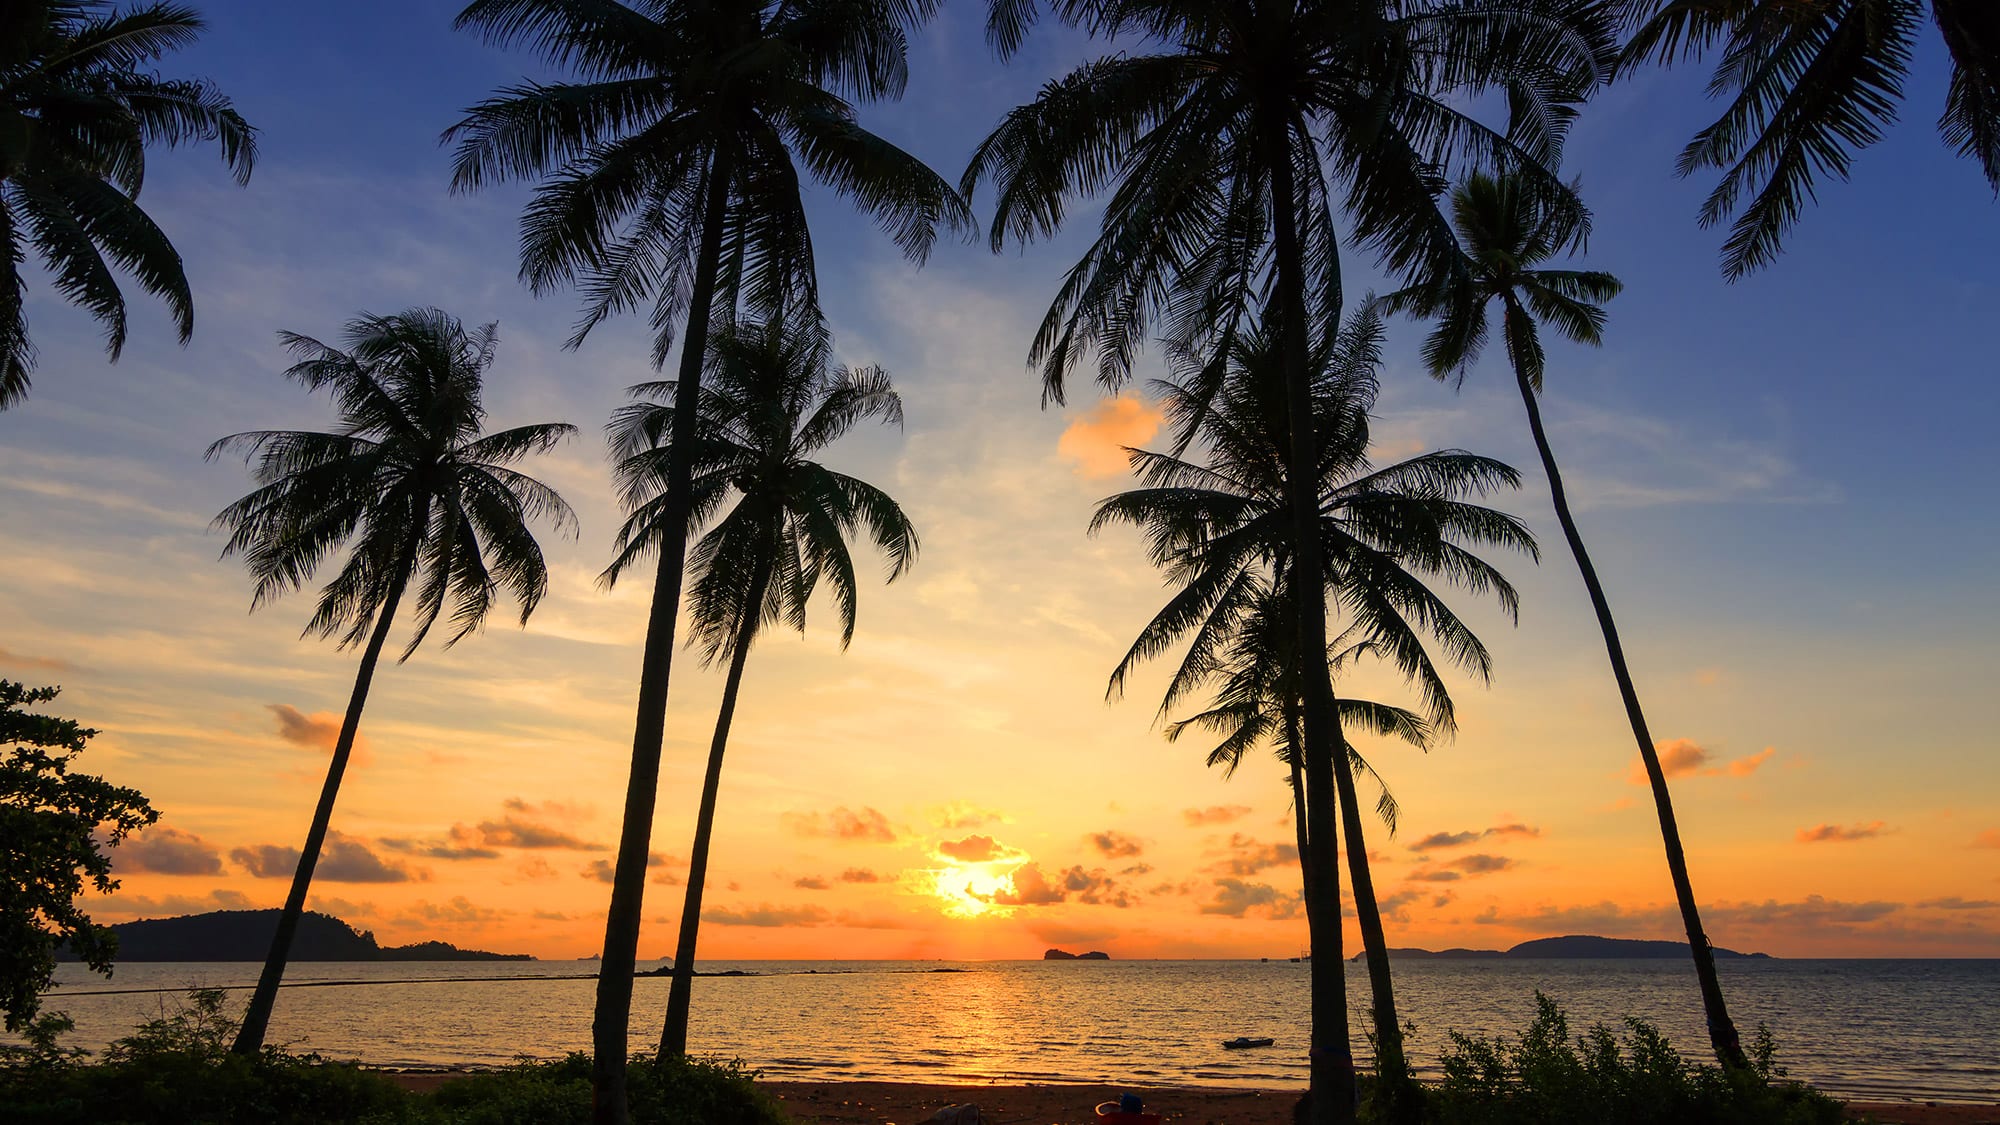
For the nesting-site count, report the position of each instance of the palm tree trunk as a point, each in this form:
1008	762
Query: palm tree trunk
1332	1055
680	995
1293	738
610	1027
1395	1096
257	1017
1721	1030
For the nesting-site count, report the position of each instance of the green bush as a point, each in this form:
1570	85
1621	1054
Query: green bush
558	1093
1545	1077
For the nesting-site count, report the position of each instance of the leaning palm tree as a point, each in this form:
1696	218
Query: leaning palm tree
1812	82
1219	528
79	113
770	403
429	505
1230	141
1505	240
671	180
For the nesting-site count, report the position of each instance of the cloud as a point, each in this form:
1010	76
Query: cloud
1444	840
859	875
1115	845
867	825
1515	831
464	843
35	663
1433	875
1214	814
767	916
976	849
963	814
1683	757
1987	839
1838	833
1095	888
317	731
1031	886
1096	440
167	851
1954	902
535	869
140	906
810	883
1247	856
604	870
459	911
1235	898
343	859
1482	864
514	831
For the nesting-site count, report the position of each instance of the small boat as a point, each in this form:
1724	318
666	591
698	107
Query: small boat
1243	1041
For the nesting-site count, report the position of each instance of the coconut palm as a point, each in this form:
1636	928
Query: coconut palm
1220	530
424	503
1505	240
77	114
770	403
1229	143
671	179
1811	82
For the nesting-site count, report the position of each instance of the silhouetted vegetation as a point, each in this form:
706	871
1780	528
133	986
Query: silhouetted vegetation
55	824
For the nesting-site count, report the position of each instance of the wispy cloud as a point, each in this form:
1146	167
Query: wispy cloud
1096	440
1838	833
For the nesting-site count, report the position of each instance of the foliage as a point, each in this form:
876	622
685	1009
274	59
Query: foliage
1808	85
1544	1077
56	823
178	1069
77	113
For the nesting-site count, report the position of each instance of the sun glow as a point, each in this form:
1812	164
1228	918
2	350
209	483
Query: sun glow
967	890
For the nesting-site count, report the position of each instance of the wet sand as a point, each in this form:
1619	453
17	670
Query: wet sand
909	1103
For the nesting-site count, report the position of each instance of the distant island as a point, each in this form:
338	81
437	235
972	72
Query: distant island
1570	946
245	935
1060	955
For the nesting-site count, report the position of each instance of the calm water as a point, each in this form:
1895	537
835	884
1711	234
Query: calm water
1889	1029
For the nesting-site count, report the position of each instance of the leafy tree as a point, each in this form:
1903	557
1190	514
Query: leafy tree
431	508
1222	142
770	403
671	177
76	117
1505	239
1810	83
56	823
1220	530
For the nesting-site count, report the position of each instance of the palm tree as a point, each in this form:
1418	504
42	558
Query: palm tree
770	403
1221	532
670	176
425	500
1505	239
76	116
1216	141
1813	82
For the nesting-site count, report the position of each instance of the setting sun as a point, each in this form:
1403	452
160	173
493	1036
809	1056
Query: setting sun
968	890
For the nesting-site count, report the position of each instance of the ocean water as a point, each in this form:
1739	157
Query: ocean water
1866	1029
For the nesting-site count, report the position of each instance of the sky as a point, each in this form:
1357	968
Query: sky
1786	483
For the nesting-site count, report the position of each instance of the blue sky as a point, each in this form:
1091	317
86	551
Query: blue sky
1786	483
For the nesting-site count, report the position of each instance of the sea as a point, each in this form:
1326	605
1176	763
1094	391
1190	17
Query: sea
1864	1029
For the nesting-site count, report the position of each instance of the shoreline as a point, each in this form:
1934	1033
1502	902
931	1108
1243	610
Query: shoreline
1055	1103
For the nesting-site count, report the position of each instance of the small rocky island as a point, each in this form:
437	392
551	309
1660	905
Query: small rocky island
1062	955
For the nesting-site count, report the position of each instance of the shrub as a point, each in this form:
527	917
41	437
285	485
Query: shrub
1544	1077
558	1093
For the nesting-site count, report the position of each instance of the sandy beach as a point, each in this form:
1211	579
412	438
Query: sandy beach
897	1103
911	1103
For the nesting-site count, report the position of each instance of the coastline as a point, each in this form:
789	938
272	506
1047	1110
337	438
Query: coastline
890	1103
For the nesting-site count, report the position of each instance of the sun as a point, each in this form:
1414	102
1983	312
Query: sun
967	890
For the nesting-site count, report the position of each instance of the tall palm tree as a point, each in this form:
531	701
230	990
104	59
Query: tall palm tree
1220	530
1813	81
1223	139
770	403
671	177
1505	239
76	116
423	498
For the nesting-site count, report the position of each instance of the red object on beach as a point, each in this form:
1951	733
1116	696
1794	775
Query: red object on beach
1108	1113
